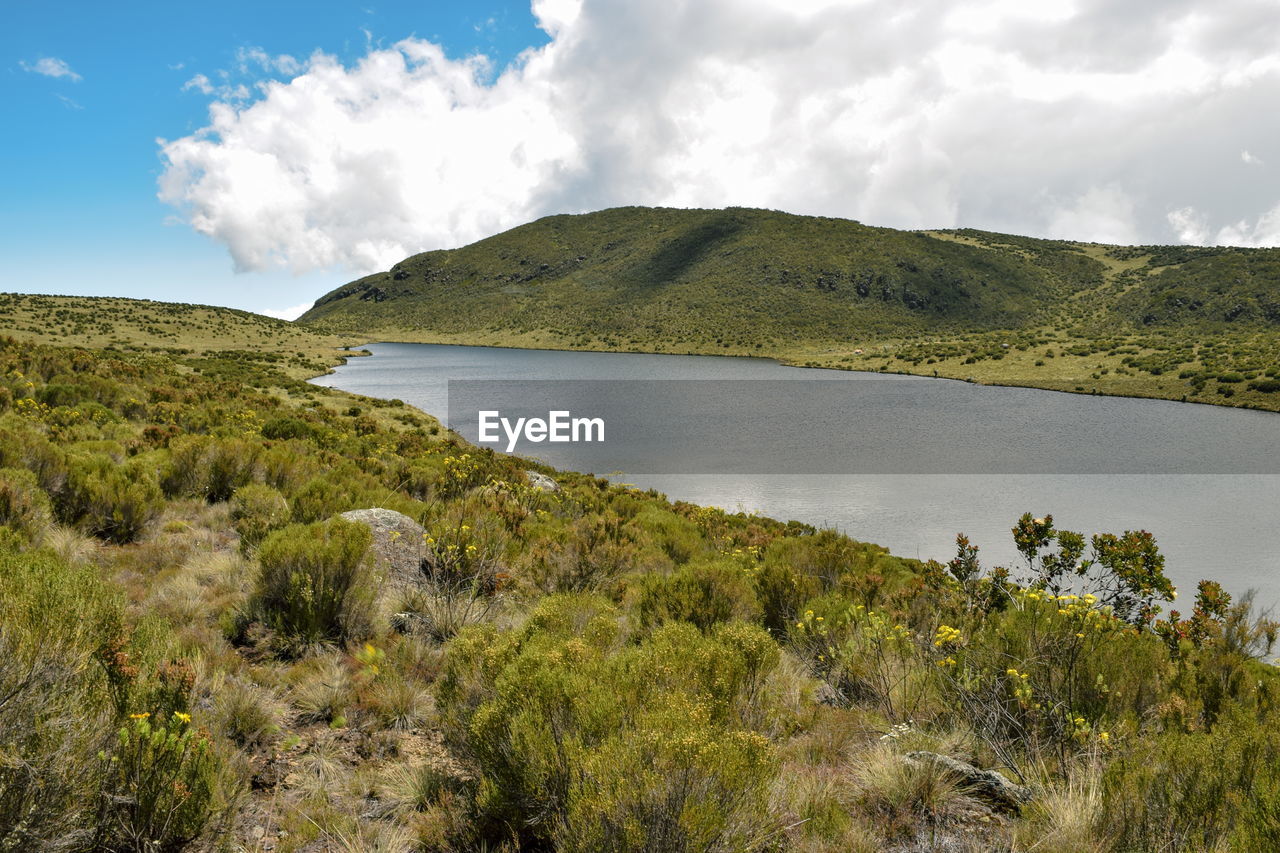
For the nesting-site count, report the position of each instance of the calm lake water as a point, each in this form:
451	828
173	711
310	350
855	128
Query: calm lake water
1202	479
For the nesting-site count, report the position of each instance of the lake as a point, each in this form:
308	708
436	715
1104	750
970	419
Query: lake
917	461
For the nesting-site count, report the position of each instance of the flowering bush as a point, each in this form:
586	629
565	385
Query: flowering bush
159	786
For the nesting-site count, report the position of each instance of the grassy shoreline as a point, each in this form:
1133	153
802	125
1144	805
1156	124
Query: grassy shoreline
1075	381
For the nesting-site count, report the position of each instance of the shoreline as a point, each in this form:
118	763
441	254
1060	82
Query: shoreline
788	362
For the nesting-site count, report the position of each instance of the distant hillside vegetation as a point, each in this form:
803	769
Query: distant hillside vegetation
1178	322
686	275
635	275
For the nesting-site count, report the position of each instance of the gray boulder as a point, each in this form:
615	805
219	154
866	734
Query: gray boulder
988	786
398	542
542	482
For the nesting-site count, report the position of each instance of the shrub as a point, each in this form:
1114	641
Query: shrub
58	712
24	507
588	555
314	586
26	448
1216	790
160	785
283	427
1056	673
678	537
327	495
672	783
68	782
781	591
113	502
256	510
210	468
572	732
703	594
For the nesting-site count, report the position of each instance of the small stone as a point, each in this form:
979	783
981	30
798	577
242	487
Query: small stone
542	482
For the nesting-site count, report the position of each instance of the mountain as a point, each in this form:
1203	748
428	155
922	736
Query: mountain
834	292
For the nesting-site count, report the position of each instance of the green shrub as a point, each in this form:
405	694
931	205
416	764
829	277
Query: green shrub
23	447
113	502
24	507
672	783
288	464
1217	790
256	510
209	468
1055	671
703	594
70	672
160	786
283	427
678	537
781	591
337	491
595	743
314	586
58	712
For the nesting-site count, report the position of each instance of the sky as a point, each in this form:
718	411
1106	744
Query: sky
256	155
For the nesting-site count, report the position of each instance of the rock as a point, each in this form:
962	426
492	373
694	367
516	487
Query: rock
828	695
398	542
986	785
542	482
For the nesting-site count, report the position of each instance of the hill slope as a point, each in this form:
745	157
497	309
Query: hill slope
693	275
833	292
107	322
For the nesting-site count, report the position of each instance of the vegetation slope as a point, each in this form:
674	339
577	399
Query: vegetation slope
198	652
1172	322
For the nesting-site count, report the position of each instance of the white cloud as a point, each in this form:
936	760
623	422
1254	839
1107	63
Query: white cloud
249	59
1250	159
1193	228
200	83
1073	118
51	66
1190	226
291	313
1100	215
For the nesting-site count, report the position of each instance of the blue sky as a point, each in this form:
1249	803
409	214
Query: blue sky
257	155
78	155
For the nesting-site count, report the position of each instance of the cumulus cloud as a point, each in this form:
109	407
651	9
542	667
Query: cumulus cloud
51	66
1088	119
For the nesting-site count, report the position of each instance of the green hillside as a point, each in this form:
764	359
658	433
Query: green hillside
176	329
636	275
1164	321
